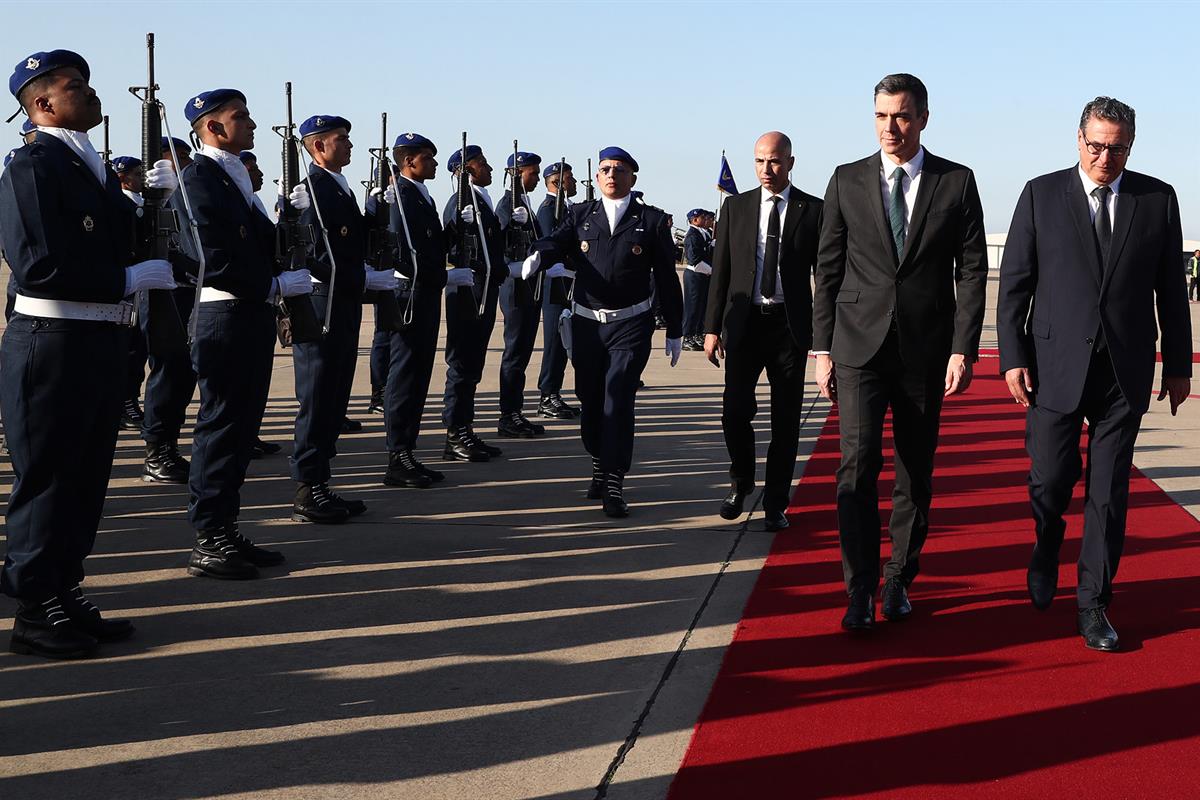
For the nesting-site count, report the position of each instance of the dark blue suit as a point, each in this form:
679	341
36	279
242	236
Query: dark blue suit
235	339
467	334
614	270
554	355
412	350
522	309
67	237
325	369
697	247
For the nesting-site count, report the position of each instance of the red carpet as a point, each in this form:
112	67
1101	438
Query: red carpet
978	695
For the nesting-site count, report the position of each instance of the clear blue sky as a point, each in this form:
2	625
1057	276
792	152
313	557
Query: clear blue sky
672	82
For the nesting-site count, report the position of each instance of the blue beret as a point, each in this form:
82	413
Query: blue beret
248	155
125	164
473	151
414	140
180	144
27	127
208	102
525	159
8	158
38	64
553	170
696	212
637	194
618	154
323	124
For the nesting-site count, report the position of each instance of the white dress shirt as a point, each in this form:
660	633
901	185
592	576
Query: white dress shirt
81	145
615	209
764	218
233	167
912	179
1090	185
487	198
342	182
137	199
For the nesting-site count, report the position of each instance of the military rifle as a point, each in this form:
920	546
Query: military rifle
469	242
381	242
561	289
106	153
589	185
519	241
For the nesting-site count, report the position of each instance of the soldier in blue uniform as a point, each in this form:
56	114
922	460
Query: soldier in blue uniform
68	233
182	148
697	257
235	329
470	305
129	172
555	292
421	259
617	247
520	300
325	369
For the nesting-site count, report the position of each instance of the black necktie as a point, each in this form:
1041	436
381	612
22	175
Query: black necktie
896	213
771	252
1102	224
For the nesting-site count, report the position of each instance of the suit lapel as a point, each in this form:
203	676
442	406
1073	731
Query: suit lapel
795	207
1077	207
870	179
930	175
1126	206
633	214
754	200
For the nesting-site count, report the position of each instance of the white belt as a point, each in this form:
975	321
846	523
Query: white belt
606	315
211	295
120	313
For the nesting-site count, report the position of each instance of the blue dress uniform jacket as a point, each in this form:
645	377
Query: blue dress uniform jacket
554	354
697	247
324	370
67	237
234	343
412	350
522	308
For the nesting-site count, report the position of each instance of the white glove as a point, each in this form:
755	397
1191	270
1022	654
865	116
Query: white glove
300	200
674	348
468	215
389	194
381	280
520	215
561	271
293	283
531	264
162	176
515	268
703	268
459	276
153	274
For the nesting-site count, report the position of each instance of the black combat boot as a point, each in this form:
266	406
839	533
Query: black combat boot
164	464
314	503
215	555
44	629
614	495
376	404
480	444
461	447
596	487
131	415
403	470
554	407
515	426
85	616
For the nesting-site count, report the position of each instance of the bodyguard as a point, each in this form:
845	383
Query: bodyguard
66	227
617	248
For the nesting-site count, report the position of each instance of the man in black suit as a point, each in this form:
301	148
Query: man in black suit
759	316
1092	249
898	309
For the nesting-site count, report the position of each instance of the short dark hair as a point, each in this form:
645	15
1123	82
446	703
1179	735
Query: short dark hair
1110	109
903	82
33	89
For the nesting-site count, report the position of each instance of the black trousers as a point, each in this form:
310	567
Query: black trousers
767	344
864	396
324	375
232	355
170	385
1194	289
380	355
695	301
467	338
520	334
62	383
554	355
608	361
411	352
1052	440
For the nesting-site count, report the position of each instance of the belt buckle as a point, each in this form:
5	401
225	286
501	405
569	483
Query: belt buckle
602	316
125	309
765	308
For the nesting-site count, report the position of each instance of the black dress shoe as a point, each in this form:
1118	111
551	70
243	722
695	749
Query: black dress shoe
554	407
131	415
735	501
434	475
1097	632
459	447
690	343
514	426
351	425
216	556
85	616
258	556
775	520
164	464
490	449
262	448
403	470
860	613
314	503
375	406
896	605
1042	579
44	629
614	496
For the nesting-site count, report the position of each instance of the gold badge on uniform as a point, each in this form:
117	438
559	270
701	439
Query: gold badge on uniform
583	247
637	249
242	231
345	231
88	224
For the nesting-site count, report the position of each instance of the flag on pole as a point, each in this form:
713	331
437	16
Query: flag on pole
725	181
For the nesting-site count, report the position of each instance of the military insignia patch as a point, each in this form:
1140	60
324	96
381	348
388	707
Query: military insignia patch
408	136
637	249
587	226
198	103
583	246
89	224
345	231
32	63
320	122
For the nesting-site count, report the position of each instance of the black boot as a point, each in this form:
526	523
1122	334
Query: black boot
85	616
356	508
351	425
262	448
376	404
44	629
258	556
215	555
614	495
313	503
596	487
515	426
553	406
461	447
403	470
131	415
480	444
434	475
164	464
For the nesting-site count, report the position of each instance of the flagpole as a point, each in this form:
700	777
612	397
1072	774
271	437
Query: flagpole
719	192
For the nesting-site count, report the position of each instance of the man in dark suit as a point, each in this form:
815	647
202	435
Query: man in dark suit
759	316
1091	251
897	314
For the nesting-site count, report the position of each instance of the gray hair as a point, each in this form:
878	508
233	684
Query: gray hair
903	82
1109	109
